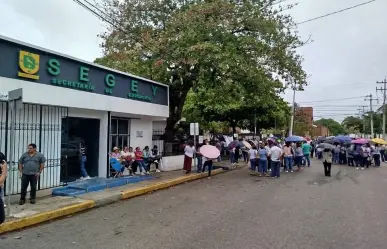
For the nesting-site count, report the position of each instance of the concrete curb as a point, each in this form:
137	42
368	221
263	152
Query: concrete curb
45	216
166	184
89	204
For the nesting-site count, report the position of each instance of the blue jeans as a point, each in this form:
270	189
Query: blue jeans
262	166
83	167
232	157
275	168
253	165
142	165
288	163
336	157
209	164
200	164
307	159
298	161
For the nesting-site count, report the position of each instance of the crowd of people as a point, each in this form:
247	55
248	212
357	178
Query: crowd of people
360	156
136	159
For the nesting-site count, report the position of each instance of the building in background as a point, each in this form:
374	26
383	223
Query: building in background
304	123
68	102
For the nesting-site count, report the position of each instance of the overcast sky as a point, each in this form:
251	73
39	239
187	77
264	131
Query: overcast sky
345	60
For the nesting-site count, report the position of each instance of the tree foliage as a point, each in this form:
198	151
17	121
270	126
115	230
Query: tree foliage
203	45
334	127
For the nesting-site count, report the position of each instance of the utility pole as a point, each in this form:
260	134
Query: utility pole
383	89
370	99
293	110
362	112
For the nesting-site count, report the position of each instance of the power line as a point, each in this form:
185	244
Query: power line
335	12
326	100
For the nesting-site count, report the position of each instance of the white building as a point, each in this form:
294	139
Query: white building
67	101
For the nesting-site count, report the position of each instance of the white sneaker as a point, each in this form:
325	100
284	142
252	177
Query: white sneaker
269	170
147	173
81	178
291	171
357	167
142	173
286	171
158	171
5	206
362	168
87	178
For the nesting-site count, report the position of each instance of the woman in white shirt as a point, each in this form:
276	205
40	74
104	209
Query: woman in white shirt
127	156
189	151
253	159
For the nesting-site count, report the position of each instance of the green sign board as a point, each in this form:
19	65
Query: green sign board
39	66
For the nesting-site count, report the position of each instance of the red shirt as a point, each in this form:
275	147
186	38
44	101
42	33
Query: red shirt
138	155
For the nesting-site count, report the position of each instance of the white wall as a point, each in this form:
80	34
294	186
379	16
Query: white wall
59	96
145	126
103	138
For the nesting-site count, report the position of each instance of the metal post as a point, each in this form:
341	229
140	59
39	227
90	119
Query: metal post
12	145
194	159
255	124
15	100
292	117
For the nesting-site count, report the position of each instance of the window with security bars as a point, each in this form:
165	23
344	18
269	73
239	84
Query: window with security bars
120	133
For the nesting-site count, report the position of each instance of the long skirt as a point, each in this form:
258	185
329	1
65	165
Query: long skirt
187	163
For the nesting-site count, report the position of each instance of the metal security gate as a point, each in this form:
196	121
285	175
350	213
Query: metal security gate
38	124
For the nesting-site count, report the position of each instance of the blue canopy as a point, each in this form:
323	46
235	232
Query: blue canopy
343	139
294	139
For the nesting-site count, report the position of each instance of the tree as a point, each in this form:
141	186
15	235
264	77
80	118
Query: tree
194	43
353	123
232	104
334	127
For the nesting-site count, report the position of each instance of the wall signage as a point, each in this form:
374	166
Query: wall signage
38	66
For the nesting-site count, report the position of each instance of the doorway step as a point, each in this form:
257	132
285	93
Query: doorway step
96	184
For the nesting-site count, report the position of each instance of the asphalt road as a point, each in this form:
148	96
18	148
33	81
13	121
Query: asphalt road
233	211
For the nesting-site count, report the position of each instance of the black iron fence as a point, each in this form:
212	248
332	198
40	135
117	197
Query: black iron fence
37	124
169	148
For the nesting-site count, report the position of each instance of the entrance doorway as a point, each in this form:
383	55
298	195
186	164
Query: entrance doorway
76	131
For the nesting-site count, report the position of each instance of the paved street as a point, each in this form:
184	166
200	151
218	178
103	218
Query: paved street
233	210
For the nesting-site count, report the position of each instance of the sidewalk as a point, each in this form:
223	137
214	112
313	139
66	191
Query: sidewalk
49	207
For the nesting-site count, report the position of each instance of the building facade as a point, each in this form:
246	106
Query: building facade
66	102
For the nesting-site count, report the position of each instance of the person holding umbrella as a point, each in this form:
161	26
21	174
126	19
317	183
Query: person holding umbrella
327	161
209	153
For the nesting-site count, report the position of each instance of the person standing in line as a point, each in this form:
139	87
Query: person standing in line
262	168
267	147
327	161
313	145
298	155
83	159
189	151
276	156
3	160
366	156
288	157
31	165
219	147
336	154
350	156
382	152
3	176
199	158
306	150
207	162
357	155
376	155
252	155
